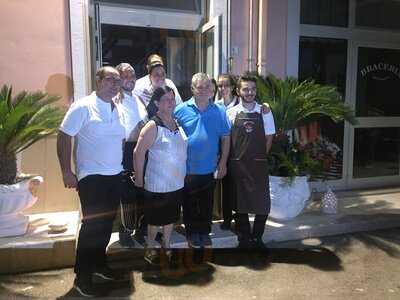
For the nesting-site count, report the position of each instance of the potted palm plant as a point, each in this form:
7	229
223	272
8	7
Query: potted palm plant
24	119
296	103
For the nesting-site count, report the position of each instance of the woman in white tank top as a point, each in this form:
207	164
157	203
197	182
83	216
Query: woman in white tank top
163	176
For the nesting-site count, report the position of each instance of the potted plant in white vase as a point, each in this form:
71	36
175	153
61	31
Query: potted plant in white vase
296	103
24	119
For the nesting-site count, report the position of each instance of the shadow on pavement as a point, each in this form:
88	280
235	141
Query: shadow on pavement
122	289
316	257
386	240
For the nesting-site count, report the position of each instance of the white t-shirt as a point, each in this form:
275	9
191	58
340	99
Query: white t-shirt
268	119
98	133
143	89
133	111
230	105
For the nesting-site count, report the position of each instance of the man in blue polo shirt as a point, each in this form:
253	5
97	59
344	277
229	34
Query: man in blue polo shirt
207	128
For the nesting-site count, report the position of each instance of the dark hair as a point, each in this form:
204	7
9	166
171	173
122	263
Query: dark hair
154	60
157	95
214	83
246	77
232	81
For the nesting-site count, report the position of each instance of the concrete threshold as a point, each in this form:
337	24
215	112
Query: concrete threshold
358	211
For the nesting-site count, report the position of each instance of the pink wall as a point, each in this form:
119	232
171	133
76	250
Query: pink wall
35	55
35	45
239	35
277	13
274	32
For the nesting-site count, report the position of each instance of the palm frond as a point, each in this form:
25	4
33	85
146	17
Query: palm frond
25	119
296	103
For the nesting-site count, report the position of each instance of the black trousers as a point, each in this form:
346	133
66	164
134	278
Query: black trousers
99	197
128	202
227	197
243	226
198	203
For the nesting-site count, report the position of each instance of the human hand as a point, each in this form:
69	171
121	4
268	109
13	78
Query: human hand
138	183
221	171
70	180
265	108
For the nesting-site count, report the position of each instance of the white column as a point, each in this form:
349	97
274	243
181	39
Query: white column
80	47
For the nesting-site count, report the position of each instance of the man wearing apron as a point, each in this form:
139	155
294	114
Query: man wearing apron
251	139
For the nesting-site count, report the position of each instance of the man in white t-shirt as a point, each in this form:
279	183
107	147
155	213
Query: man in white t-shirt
156	78
251	138
95	125
134	114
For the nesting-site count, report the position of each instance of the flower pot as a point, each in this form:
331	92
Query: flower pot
288	197
13	200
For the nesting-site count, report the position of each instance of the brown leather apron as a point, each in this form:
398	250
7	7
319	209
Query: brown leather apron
248	165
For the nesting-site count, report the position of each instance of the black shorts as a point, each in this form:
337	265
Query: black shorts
162	208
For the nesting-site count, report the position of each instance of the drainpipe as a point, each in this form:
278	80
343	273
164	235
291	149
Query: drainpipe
262	37
229	37
250	46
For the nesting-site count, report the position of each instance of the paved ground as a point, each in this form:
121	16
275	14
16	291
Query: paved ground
358	266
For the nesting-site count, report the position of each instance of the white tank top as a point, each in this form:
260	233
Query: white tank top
166	164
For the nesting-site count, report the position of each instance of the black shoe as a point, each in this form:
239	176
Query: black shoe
194	240
152	256
245	244
126	239
84	286
205	240
259	244
139	237
225	225
151	272
107	274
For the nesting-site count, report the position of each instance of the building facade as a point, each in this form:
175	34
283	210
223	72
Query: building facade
352	44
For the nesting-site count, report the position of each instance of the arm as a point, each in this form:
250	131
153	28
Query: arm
64	146
147	137
225	145
268	141
269	128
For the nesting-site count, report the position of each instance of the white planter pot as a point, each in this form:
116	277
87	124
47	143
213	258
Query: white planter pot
288	198
13	200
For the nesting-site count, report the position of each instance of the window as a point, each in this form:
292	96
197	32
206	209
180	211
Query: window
325	12
208	52
185	5
378	13
378	79
376	152
325	60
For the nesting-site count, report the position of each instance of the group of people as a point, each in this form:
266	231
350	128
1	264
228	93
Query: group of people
138	146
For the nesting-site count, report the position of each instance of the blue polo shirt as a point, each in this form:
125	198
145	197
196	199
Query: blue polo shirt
204	130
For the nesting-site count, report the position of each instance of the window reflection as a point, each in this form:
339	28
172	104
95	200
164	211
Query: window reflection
376	152
378	13
324	12
325	60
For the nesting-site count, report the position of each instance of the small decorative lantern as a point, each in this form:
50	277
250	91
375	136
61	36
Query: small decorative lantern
329	202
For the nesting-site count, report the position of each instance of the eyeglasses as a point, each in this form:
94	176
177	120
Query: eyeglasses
112	79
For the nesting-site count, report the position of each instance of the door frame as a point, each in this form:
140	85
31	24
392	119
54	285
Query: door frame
366	122
216	24
355	37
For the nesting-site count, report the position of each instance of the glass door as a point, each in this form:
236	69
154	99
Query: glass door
211	47
376	139
130	34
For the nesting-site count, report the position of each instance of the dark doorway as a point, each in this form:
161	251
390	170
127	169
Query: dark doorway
134	44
